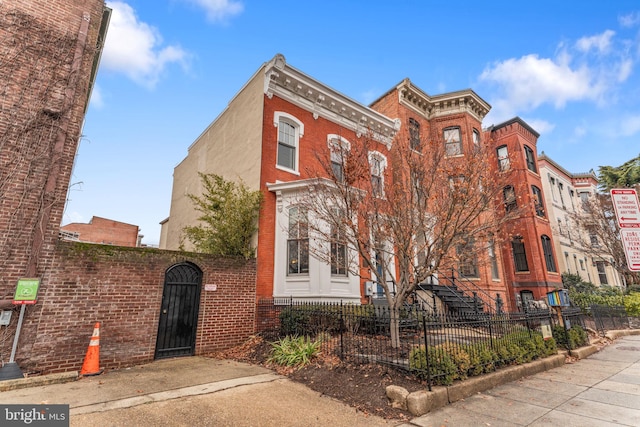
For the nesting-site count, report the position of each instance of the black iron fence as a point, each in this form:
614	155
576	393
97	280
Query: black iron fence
609	317
439	348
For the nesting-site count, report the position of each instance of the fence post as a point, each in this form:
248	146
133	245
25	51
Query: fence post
341	333
475	302
526	318
426	351
499	304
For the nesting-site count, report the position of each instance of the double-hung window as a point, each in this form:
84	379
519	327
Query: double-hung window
468	260
452	141
537	201
519	254
338	148
338	251
414	134
602	272
290	130
503	158
530	158
298	241
377	164
547	249
509	197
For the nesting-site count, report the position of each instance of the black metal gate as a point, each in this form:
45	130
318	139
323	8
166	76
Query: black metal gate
179	311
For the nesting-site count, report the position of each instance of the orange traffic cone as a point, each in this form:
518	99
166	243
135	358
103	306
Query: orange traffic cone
91	365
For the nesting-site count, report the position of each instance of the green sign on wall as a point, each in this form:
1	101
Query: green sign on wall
26	291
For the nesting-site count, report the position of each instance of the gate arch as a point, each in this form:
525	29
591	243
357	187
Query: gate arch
179	311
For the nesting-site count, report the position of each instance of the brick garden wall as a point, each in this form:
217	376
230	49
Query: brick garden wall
122	289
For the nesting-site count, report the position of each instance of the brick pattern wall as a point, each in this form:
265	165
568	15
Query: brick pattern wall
122	289
45	62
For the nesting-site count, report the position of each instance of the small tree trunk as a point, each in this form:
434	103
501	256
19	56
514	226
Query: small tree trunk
394	327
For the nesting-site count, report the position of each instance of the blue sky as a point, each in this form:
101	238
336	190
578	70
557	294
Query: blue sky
169	67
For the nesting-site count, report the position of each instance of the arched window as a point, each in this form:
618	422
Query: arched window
548	253
530	158
377	165
290	130
537	201
338	147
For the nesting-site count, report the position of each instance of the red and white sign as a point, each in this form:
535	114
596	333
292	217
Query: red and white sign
631	242
625	203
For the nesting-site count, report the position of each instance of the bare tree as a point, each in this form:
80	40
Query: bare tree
597	232
398	211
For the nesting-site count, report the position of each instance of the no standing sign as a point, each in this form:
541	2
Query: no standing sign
625	203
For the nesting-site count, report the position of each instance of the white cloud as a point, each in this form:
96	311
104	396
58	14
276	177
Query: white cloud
630	126
219	10
630	20
600	43
530	81
579	132
134	47
591	69
625	69
541	126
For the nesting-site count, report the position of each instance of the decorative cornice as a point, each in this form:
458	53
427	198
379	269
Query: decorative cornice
298	88
591	175
463	101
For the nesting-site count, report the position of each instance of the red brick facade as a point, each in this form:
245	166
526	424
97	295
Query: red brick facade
122	289
529	226
312	145
104	231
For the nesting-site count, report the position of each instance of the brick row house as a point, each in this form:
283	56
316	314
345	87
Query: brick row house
576	249
531	267
273	134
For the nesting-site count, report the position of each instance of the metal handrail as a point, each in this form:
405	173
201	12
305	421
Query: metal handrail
467	285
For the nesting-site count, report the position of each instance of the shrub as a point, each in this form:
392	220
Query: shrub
632	304
294	351
459	357
293	321
441	367
572	338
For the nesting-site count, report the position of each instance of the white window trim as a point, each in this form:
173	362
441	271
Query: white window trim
277	117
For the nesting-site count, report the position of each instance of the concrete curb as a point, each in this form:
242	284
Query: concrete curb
583	352
62	377
423	401
612	335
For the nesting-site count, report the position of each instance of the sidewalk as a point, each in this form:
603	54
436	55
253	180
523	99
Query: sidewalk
602	390
193	391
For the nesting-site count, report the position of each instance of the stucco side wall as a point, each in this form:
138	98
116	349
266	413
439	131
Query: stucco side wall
230	146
